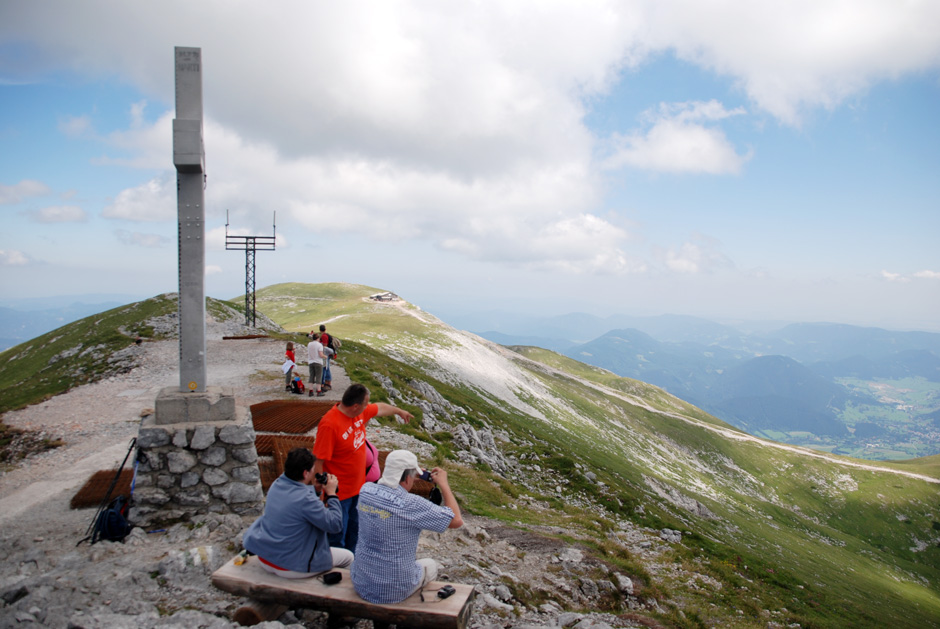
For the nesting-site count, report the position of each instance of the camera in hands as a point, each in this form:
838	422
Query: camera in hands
425	475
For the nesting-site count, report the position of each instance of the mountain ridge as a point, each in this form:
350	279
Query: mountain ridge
792	517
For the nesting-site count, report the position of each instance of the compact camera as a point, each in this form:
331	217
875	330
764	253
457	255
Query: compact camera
445	591
425	475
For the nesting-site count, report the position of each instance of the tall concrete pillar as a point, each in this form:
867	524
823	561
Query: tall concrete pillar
196	452
189	159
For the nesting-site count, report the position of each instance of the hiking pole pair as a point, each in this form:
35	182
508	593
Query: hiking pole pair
105	503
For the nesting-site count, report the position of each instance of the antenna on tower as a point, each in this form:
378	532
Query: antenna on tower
250	244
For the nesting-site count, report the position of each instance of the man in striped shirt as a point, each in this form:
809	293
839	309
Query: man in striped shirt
385	570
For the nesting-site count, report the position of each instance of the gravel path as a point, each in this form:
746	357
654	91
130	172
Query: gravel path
97	421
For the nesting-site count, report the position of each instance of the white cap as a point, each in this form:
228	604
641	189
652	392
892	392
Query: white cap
396	463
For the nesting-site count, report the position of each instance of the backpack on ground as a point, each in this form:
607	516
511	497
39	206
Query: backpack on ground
112	524
110	521
297	386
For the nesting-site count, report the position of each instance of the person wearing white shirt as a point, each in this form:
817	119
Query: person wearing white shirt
315	356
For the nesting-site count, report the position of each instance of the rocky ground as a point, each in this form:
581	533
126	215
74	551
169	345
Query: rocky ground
161	578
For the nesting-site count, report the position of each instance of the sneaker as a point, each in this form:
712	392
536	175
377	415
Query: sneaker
321	394
310	394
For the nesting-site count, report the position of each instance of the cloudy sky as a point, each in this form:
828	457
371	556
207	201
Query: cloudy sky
744	159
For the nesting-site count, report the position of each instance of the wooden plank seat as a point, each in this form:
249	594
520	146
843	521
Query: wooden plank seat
251	580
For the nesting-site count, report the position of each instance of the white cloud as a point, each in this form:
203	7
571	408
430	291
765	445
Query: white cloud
215	238
59	214
701	254
76	126
141	145
678	140
414	77
530	218
22	190
894	277
213	269
790	57
12	257
457	123
140	239
154	200
921	275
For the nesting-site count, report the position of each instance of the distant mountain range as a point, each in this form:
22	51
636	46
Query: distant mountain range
801	383
799	378
24	319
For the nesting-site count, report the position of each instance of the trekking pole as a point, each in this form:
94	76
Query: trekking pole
107	497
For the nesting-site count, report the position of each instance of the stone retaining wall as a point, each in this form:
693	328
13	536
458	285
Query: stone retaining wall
187	469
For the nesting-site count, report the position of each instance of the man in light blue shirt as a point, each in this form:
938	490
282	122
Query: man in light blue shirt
385	570
290	538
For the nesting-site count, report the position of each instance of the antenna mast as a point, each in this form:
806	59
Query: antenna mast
250	244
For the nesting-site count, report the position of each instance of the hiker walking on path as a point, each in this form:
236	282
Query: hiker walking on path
385	570
340	449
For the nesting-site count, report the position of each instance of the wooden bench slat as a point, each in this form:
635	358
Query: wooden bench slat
253	581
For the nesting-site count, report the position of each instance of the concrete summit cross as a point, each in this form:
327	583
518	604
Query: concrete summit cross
196	452
189	157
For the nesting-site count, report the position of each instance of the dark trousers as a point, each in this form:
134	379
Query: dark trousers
348	537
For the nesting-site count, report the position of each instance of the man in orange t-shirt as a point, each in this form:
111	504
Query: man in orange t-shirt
340	448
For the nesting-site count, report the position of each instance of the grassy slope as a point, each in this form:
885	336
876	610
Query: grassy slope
40	368
830	543
83	351
301	307
806	539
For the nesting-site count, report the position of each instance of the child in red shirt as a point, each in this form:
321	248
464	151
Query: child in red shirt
288	375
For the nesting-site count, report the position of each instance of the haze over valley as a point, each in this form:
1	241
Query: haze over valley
864	392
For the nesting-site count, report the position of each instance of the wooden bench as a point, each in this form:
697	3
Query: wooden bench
273	592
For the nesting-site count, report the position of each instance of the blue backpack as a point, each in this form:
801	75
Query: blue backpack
111	524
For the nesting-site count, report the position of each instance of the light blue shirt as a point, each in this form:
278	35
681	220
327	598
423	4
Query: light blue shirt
390	523
292	532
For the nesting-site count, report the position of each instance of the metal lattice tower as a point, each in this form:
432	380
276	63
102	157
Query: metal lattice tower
250	244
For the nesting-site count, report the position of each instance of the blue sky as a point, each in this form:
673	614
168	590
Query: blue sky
732	160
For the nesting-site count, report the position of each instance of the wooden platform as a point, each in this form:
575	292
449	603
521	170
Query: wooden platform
251	580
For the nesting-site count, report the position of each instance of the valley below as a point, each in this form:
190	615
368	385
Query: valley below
903	425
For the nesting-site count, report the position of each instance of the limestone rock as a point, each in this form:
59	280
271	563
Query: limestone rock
245	455
203	437
214	456
152	438
179	462
214	476
237	435
671	536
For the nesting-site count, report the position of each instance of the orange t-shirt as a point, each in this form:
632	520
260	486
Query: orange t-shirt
341	444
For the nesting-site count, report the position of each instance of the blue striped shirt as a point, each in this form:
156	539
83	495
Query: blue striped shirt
390	523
